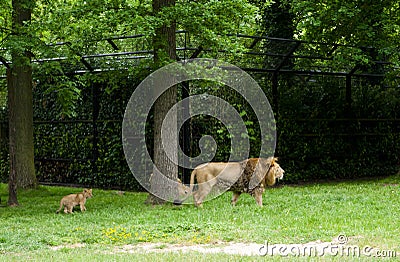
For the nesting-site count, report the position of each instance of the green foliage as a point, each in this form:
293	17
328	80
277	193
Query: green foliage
362	23
320	139
206	125
210	22
310	149
68	140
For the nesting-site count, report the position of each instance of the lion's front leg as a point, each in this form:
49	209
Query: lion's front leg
195	197
235	198
258	196
83	208
203	191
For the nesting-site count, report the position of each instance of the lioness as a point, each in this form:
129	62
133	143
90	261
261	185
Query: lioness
183	190
248	176
75	199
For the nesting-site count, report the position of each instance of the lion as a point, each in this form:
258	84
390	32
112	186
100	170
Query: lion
75	199
249	176
183	190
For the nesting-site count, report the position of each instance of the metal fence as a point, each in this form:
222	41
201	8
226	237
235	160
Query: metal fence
298	60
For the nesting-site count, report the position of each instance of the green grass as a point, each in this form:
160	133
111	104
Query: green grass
366	211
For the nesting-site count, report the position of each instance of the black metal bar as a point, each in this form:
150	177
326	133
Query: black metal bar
351	135
95	116
348	103
119	54
197	52
342	120
308	72
254	43
352	71
283	55
111	42
76	121
55	59
275	104
46	159
4	62
125	37
267	38
293	40
287	56
275	94
86	64
335	46
186	132
253	70
349	100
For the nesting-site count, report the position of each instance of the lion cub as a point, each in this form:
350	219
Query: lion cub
75	199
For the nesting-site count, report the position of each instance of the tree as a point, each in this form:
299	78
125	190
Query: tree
360	23
81	23
207	20
276	21
19	82
164	44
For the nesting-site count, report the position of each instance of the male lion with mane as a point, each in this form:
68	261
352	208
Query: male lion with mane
249	176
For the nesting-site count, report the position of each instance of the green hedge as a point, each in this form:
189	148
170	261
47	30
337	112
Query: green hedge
318	138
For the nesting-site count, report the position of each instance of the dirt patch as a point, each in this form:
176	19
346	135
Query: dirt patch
337	247
233	248
76	245
244	249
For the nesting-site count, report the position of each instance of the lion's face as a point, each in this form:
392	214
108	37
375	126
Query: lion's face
183	190
277	171
87	193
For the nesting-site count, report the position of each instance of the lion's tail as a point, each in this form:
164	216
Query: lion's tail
61	206
192	177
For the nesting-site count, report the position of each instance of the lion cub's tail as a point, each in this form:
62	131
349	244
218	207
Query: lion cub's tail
192	177
61	206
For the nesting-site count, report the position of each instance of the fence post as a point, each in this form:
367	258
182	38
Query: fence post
275	104
95	116
348	95
186	132
349	101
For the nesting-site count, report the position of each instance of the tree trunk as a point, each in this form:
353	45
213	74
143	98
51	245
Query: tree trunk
164	43
21	125
20	104
277	21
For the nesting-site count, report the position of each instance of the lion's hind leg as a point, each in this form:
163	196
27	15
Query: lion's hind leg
68	209
61	206
235	198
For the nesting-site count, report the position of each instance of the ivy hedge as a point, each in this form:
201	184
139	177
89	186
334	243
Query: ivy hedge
322	138
318	136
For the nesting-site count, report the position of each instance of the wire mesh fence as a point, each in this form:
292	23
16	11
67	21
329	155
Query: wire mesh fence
334	120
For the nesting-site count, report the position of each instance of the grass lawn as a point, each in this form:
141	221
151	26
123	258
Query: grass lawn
367	212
